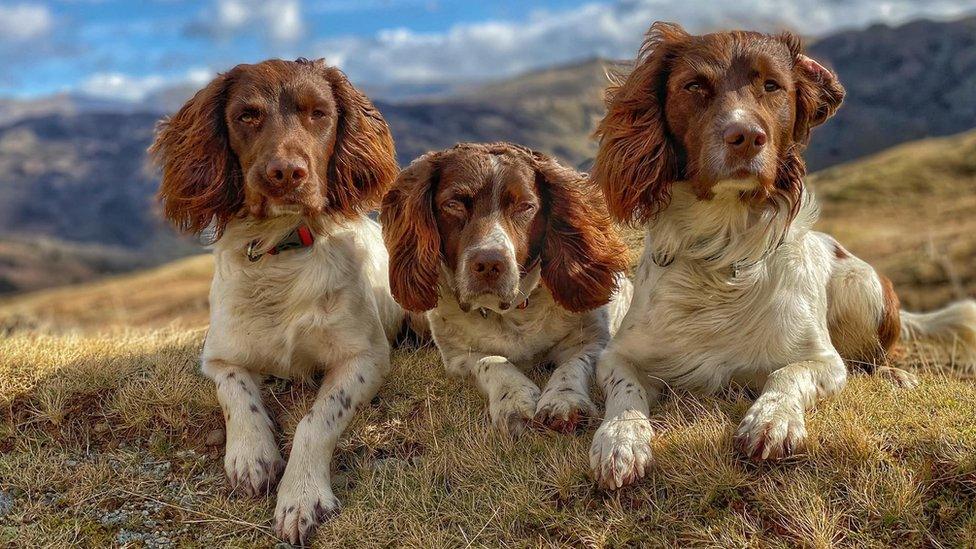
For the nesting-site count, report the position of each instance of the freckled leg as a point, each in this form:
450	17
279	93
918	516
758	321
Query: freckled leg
621	448
565	400
512	396
252	460
305	497
775	425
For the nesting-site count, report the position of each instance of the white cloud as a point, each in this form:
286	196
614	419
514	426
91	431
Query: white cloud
23	22
114	85
280	20
493	49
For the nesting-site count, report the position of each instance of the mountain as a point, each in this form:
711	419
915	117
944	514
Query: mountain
74	168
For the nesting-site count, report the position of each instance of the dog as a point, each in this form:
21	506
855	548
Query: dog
701	146
279	161
516	262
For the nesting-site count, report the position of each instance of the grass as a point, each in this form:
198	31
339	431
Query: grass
106	422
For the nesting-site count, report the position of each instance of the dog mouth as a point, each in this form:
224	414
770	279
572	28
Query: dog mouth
492	300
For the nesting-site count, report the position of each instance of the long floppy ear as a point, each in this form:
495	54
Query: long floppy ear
818	96
202	183
582	254
637	161
411	235
363	162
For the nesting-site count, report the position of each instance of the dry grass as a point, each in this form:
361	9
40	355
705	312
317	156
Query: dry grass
98	424
103	436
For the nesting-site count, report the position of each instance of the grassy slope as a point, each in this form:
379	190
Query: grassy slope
104	423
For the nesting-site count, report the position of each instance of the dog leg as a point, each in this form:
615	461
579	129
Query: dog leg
621	448
252	460
305	497
775	426
512	397
565	400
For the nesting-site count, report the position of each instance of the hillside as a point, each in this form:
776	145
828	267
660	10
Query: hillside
104	439
74	169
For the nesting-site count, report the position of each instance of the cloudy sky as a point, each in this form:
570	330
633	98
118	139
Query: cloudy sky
125	49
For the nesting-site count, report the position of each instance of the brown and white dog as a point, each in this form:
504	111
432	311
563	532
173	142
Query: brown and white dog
281	160
701	146
516	261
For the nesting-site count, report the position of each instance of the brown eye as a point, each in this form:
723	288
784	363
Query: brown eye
454	207
249	116
318	114
771	85
525	208
694	86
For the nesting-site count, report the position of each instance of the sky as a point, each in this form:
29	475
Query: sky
128	49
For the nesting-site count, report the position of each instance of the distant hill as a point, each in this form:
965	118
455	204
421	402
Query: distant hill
74	169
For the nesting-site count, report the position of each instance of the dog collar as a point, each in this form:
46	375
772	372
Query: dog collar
300	237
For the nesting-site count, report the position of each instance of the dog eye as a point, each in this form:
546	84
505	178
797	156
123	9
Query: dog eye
771	85
249	116
694	86
318	114
525	208
454	207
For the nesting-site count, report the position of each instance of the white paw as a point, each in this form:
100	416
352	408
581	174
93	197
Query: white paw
621	450
562	409
512	407
898	377
774	428
305	500
252	462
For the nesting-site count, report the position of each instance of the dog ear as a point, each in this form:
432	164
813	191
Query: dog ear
201	185
411	235
363	161
582	255
637	161
818	96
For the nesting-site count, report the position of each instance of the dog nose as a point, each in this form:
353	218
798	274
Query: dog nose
744	139
488	265
290	172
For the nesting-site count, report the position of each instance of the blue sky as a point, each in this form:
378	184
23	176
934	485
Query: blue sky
124	49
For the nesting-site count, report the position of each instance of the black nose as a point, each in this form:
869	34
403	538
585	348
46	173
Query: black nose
744	139
488	265
287	171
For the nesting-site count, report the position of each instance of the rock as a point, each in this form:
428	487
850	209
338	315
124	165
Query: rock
215	437
6	503
101	427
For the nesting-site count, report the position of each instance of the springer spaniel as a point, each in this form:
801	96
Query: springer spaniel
515	261
280	160
701	146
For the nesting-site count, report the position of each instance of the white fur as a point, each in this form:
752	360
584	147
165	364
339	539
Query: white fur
495	350
326	308
727	294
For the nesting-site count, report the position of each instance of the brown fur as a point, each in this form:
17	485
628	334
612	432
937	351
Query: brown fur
889	328
213	163
655	132
571	233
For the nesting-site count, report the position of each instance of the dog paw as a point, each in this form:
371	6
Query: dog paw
773	428
513	408
621	450
564	409
303	504
253	464
898	377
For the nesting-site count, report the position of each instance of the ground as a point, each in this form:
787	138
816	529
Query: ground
109	436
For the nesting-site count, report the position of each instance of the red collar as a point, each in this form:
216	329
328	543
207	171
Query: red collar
301	237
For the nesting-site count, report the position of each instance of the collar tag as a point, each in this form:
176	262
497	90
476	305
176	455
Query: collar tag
301	237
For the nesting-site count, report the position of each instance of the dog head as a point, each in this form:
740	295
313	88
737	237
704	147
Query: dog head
712	109
273	138
489	215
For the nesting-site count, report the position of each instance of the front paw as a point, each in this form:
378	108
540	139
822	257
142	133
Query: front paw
304	502
621	450
513	407
253	463
773	428
564	409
